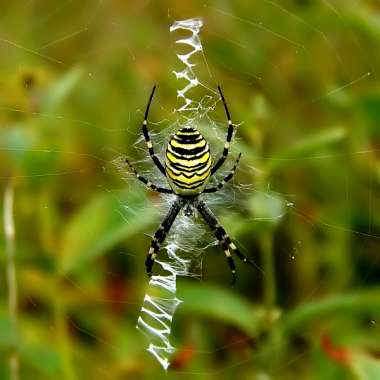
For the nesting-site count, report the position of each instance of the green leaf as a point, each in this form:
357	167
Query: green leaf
266	208
369	105
43	358
107	220
365	367
61	88
219	303
307	147
7	335
364	302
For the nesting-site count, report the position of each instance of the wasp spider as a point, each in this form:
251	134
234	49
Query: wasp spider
188	168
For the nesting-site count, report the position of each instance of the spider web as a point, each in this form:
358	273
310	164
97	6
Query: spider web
182	247
184	254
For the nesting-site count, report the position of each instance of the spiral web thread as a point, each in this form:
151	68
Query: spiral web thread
160	301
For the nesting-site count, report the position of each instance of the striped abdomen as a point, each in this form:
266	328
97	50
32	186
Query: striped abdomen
188	162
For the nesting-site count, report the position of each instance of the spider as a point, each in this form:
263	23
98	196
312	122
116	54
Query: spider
188	168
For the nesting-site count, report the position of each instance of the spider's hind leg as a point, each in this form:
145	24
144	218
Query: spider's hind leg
223	238
160	235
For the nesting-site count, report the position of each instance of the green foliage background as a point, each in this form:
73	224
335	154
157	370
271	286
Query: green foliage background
303	76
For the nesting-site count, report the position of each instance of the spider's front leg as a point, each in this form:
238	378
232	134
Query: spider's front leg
160	234
225	179
223	238
147	139
230	132
148	184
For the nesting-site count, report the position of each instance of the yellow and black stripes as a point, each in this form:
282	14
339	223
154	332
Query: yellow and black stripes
188	161
223	238
187	169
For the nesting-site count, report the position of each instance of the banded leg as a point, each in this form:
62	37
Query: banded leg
225	179
149	184
230	131
160	235
147	137
223	238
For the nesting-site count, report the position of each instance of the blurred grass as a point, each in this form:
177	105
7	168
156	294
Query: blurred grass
302	76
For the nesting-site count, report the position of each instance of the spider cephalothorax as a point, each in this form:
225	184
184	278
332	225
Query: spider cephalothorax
188	168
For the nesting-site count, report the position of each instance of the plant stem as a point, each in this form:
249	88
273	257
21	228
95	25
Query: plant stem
272	349
10	247
64	341
268	267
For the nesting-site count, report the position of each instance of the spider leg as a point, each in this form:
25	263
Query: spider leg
225	179
147	137
149	184
160	235
223	238
230	131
